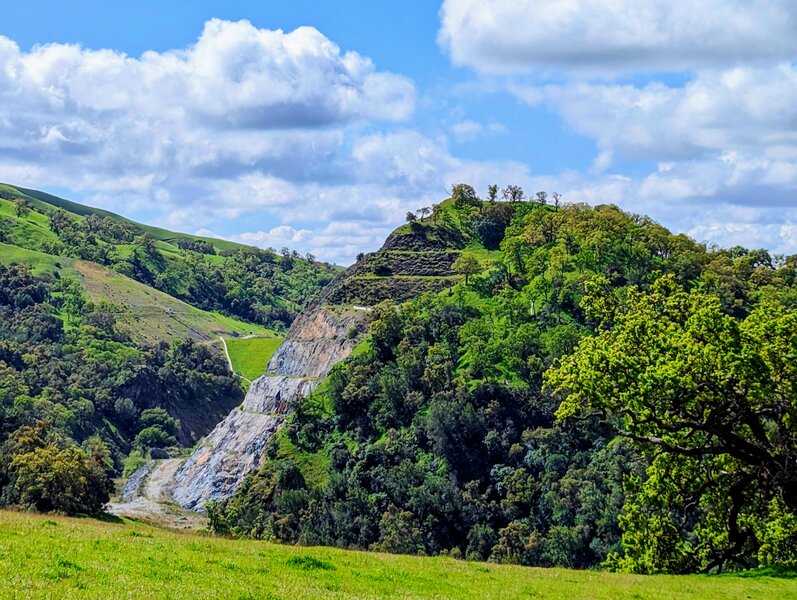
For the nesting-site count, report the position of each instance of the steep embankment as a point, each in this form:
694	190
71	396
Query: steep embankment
414	259
320	337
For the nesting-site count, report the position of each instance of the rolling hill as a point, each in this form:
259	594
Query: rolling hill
164	284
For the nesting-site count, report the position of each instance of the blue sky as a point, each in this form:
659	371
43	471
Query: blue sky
200	116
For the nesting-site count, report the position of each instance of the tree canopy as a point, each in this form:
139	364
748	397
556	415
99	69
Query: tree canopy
712	400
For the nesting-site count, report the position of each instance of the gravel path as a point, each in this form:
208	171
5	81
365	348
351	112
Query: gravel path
152	502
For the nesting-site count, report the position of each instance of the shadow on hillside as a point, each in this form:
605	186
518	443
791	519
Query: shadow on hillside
104	517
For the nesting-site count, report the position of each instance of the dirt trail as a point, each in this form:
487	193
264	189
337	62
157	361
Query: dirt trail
229	360
151	500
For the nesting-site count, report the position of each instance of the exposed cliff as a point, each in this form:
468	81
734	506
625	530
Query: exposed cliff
414	259
316	341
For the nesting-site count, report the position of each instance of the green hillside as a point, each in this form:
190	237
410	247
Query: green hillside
47	202
143	312
82	558
578	387
109	342
250	355
215	276
418	257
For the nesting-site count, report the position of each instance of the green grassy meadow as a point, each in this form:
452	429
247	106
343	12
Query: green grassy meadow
250	356
59	557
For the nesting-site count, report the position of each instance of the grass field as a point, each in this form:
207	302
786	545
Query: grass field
48	203
250	356
58	557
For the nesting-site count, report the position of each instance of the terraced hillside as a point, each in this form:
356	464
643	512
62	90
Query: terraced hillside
416	258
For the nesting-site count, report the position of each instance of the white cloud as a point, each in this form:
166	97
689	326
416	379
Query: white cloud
716	111
722	139
521	36
240	99
246	123
468	130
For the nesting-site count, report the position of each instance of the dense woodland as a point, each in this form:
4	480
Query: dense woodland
79	399
600	391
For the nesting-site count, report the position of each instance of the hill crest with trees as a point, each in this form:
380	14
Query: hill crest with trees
474	422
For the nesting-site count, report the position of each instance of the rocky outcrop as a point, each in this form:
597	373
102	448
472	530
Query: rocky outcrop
370	291
412	264
415	259
134	482
318	339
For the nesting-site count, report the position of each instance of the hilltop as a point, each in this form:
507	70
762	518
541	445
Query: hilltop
416	258
465	423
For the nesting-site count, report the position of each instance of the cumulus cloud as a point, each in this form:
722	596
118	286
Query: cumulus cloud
244	122
716	111
704	92
521	36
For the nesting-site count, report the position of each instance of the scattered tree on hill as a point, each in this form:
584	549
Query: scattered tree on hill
146	244
513	193
22	207
201	246
59	221
464	195
541	198
411	218
492	193
467	265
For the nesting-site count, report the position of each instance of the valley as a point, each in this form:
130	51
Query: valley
418	402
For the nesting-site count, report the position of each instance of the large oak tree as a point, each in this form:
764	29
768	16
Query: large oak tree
713	399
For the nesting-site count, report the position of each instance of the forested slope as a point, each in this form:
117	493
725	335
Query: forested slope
103	324
252	285
478	420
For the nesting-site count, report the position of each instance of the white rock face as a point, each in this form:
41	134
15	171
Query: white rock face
316	341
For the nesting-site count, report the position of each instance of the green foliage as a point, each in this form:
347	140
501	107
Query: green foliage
467	265
46	472
712	399
133	462
443	439
154	437
464	195
64	363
